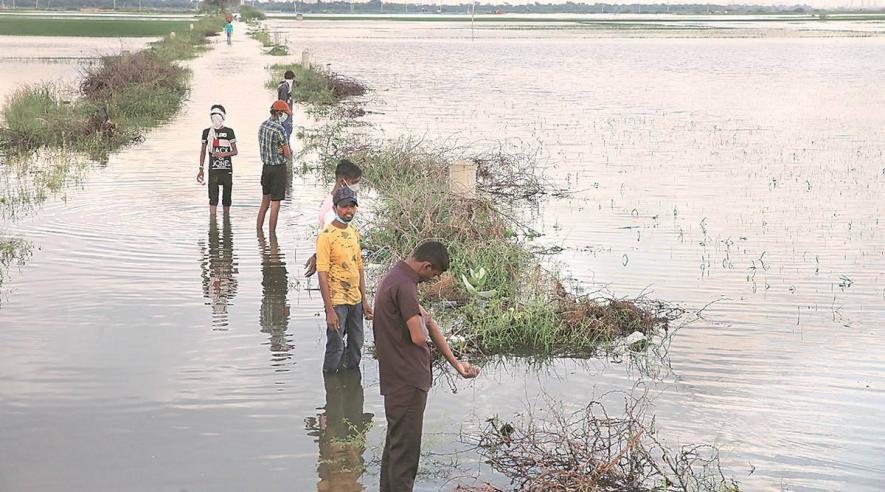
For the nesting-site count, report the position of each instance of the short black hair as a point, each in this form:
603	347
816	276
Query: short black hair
433	252
289	75
218	106
347	169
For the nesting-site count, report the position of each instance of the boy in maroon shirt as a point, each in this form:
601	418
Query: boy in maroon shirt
402	329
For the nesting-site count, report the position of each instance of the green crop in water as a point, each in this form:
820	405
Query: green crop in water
114	28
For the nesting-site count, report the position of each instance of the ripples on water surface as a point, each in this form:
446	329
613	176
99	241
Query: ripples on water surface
146	348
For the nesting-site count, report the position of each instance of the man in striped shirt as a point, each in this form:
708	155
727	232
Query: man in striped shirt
275	153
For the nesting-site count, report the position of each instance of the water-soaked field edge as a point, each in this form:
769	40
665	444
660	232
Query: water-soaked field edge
116	99
49	134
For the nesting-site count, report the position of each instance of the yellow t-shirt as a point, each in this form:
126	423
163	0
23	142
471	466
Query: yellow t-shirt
338	254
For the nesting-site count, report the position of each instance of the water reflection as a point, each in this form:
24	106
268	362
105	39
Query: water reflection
341	433
274	311
219	269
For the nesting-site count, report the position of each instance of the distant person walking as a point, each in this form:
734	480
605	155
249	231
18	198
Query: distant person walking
342	285
229	31
275	153
220	143
402	329
285	90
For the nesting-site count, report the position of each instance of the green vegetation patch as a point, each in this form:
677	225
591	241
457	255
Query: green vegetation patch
261	34
249	13
112	28
13	251
315	86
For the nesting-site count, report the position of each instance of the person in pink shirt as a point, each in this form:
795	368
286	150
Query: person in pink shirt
346	174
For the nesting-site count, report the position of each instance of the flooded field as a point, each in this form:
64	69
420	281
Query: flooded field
146	347
30	59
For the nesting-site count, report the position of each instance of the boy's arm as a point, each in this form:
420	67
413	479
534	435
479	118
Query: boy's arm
367	308
284	145
233	151
202	160
323	250
463	368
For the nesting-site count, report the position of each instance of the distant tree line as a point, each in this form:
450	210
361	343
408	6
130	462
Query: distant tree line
102	4
379	7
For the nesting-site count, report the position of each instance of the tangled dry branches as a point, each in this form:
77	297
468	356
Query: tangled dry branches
593	450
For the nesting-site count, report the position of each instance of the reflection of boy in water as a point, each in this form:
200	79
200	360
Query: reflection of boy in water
341	433
219	268
274	314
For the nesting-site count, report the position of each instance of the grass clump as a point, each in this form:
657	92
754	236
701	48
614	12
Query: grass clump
316	86
261	34
249	13
13	251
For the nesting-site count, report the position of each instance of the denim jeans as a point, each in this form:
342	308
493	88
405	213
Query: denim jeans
350	326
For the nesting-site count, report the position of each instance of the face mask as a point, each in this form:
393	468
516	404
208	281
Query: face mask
355	187
217	121
341	219
284	117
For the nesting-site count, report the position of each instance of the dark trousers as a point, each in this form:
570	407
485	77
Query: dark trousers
350	325
226	181
404	410
287	125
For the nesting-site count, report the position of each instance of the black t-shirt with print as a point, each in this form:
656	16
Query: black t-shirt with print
224	137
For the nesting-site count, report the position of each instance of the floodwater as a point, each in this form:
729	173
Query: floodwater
145	347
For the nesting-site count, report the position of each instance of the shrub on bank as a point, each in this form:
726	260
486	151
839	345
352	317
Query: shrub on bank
249	13
316	86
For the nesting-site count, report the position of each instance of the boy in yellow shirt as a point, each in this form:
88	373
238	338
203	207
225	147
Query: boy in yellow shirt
342	285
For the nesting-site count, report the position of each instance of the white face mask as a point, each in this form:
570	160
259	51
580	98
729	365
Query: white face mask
283	117
217	120
355	187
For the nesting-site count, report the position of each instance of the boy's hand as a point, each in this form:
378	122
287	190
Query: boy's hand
331	319
367	311
466	370
200	177
311	266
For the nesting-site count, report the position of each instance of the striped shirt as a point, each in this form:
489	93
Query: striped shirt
270	136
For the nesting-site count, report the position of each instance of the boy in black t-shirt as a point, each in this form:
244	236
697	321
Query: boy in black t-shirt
221	143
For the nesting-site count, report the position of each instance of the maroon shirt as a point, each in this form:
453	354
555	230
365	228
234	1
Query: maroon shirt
401	363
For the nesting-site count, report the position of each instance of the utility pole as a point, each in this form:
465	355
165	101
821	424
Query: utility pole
472	18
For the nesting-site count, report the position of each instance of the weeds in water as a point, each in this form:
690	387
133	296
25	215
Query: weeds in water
13	251
261	34
315	86
594	449
250	14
